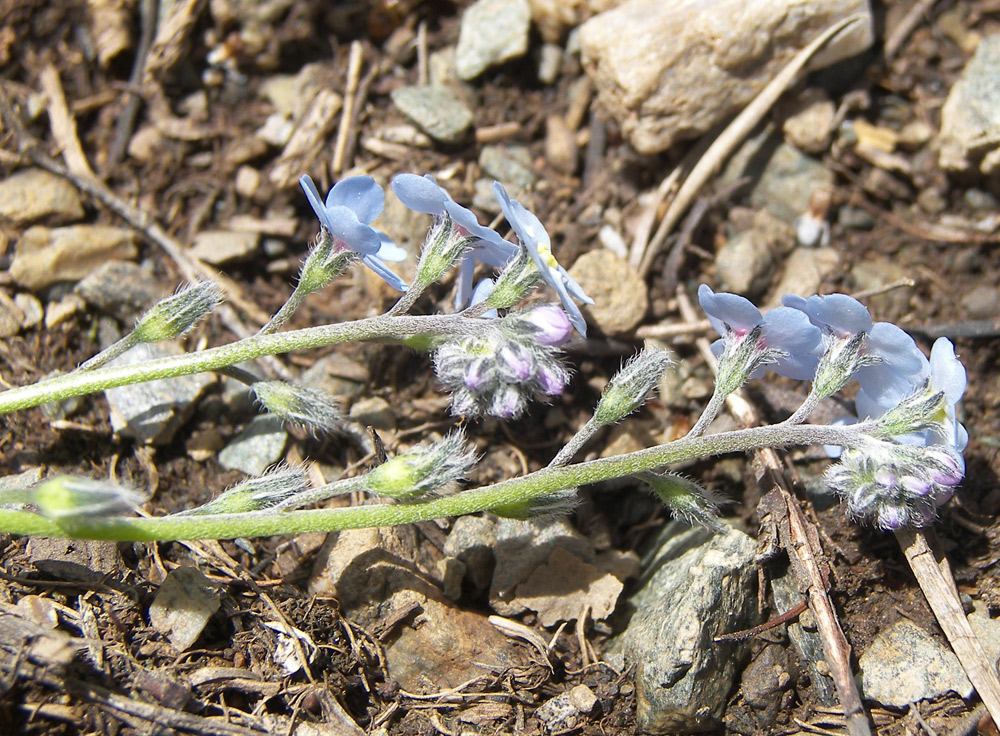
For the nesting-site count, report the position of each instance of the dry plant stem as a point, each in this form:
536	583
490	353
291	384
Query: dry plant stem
934	576
148	12
805	548
897	36
733	135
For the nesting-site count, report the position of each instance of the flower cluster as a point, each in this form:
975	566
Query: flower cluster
911	461
893	486
514	360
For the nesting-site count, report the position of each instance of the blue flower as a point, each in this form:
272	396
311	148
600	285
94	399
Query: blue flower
888	360
533	237
787	342
423	194
350	206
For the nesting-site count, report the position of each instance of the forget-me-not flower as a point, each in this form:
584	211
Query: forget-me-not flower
786	342
533	237
883	358
423	194
350	206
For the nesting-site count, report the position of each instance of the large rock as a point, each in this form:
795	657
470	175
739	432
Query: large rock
906	664
970	118
618	291
667	71
45	256
34	194
694	587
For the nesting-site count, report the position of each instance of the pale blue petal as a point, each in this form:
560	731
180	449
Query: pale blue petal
463	283
358	193
947	372
791	331
844	315
479	294
728	309
389	251
896	348
420	193
384	272
574	288
345	226
312	194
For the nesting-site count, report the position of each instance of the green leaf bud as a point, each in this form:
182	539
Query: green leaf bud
177	314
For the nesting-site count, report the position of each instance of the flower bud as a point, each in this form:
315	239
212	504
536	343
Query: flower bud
552	326
313	410
686	500
516	362
66	499
628	389
442	249
552	379
550	505
423	469
518	277
323	264
177	314
257	493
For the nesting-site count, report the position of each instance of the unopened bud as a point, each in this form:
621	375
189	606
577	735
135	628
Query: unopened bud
518	277
423	469
552	326
550	505
442	249
628	388
323	264
257	493
686	500
66	498
298	405
177	314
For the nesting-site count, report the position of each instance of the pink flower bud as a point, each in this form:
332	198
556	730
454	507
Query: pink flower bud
553	326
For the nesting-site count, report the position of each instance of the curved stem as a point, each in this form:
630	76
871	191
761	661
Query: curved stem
509	492
374	328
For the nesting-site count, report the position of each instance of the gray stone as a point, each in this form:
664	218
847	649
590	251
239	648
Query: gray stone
34	194
619	292
565	710
694	586
152	412
336	375
435	110
510	165
122	289
788	181
970	118
906	664
981	302
45	256
257	447
88	560
745	264
31	308
471	540
524	546
218	247
11	316
652	62
183	605
492	32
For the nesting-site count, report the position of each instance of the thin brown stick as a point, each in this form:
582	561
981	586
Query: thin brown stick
62	123
790	615
895	38
806	554
347	113
733	135
148	13
933	573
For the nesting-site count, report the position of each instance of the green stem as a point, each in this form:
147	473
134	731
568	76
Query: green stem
374	328
715	405
508	492
576	443
110	353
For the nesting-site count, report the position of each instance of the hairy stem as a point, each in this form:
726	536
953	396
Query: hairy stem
509	492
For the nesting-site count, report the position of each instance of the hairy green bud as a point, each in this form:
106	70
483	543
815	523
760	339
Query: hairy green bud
629	388
424	469
177	314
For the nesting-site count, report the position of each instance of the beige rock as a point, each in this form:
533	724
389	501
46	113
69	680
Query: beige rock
809	123
554	18
619	293
804	272
45	256
33	194
970	118
224	246
670	71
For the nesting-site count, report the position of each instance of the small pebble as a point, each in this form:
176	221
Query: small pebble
510	165
435	110
619	293
45	256
33	194
218	247
257	447
492	32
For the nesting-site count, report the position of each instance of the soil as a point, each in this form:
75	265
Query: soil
188	186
